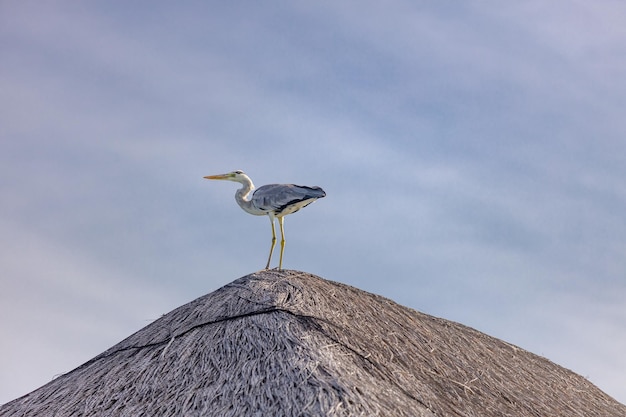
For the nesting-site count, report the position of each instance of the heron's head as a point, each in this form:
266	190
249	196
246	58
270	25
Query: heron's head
237	176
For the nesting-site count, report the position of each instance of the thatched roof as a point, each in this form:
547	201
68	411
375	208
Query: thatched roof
291	344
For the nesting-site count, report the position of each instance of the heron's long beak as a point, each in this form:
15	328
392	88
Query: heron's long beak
218	177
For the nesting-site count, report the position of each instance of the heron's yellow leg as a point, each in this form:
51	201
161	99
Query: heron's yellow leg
282	242
269	258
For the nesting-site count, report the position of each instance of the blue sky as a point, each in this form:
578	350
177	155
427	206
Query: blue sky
473	157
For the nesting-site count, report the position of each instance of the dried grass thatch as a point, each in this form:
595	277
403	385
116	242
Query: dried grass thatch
292	344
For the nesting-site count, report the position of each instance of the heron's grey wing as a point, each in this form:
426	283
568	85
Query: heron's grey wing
283	199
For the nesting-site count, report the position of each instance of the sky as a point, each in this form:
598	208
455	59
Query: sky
473	157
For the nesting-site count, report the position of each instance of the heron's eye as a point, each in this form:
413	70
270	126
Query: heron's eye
238	172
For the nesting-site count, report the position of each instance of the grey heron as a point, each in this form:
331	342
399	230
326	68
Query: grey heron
274	200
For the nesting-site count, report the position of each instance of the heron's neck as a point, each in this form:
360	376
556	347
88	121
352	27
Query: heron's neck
244	195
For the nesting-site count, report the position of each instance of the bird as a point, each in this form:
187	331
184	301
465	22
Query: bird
273	200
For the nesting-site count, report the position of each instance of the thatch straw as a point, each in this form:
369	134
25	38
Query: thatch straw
291	344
